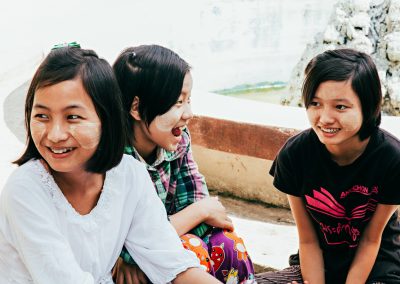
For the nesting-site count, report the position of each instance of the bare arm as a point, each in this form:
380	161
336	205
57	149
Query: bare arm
195	276
370	242
311	260
208	210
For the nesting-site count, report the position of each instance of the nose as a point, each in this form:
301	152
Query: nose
187	113
326	117
57	132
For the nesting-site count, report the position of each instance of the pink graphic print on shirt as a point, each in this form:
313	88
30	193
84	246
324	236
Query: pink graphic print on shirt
338	224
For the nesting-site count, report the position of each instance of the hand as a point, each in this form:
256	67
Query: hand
215	213
124	273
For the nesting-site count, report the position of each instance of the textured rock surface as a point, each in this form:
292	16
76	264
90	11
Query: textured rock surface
371	26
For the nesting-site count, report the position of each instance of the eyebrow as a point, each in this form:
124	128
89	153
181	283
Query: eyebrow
336	100
66	108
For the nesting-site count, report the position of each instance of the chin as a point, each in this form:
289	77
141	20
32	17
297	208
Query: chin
171	148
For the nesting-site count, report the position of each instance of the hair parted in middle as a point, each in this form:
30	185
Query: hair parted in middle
155	75
344	65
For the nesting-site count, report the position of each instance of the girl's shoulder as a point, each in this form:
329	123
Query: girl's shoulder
386	146
129	166
300	142
28	173
29	177
389	141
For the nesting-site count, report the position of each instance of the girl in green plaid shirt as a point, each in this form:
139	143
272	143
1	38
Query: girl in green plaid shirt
156	87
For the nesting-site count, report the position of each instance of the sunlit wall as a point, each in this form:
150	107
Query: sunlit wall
228	42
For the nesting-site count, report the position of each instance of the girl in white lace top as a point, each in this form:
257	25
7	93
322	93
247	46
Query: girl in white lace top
75	200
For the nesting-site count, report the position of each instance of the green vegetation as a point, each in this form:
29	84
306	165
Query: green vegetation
263	91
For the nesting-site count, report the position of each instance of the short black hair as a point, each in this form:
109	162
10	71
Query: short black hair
155	75
344	65
98	79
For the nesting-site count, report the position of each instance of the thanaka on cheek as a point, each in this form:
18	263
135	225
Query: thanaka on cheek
87	133
168	120
37	129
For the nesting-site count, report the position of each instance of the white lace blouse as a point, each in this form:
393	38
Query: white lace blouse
44	240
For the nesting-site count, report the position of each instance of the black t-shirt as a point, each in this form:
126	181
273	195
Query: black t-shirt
342	199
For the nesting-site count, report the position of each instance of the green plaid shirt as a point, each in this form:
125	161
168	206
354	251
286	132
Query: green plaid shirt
177	180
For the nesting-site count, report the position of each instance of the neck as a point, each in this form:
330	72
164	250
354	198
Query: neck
346	154
82	190
144	146
80	182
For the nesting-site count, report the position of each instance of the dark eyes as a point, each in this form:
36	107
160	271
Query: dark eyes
338	107
41	116
341	107
181	101
73	116
70	117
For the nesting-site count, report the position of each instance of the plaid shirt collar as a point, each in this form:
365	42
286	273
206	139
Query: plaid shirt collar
162	154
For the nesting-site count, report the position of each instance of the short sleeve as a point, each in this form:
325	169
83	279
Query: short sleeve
390	193
284	171
41	246
152	241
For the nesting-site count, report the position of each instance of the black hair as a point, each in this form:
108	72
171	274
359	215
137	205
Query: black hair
344	65
155	75
98	79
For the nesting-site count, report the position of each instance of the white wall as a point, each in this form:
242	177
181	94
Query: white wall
228	42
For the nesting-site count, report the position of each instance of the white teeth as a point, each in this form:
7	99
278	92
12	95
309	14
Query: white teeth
330	130
60	151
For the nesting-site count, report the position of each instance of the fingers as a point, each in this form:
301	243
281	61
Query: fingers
120	278
229	224
115	269
114	272
142	278
130	277
133	279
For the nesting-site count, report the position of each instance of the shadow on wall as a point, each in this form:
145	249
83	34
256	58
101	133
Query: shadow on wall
14	111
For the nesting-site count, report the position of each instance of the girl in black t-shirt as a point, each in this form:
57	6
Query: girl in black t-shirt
341	177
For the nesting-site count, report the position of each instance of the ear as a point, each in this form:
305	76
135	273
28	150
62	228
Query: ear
134	112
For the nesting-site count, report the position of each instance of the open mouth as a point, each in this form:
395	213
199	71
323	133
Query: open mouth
60	150
177	131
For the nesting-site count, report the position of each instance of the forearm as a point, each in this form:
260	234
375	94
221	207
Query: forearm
195	276
311	260
188	218
363	262
312	263
369	245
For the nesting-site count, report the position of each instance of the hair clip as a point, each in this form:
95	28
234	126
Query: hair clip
65	44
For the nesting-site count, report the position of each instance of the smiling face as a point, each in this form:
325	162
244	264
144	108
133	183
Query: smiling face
64	125
335	114
165	130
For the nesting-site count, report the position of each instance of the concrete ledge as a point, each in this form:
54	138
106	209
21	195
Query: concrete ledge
235	157
259	141
235	146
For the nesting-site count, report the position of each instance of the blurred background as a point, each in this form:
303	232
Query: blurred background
229	43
